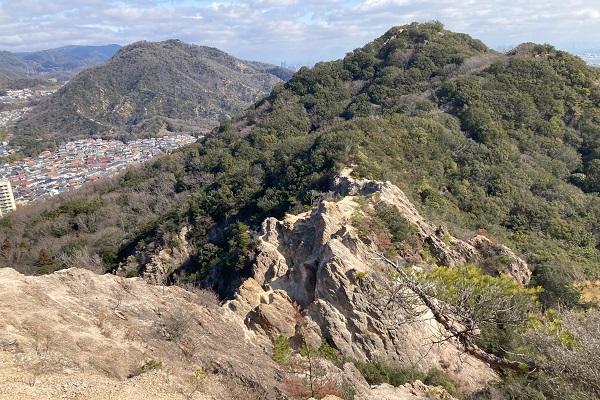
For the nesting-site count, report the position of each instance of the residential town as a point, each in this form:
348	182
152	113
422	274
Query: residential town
20	99
75	163
7	117
24	94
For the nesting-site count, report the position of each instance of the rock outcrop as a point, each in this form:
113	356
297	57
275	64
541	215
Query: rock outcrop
318	261
75	333
101	336
493	258
156	261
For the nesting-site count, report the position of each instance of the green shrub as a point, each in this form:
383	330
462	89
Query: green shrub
378	372
329	353
400	375
437	377
361	275
281	350
385	225
375	373
149	366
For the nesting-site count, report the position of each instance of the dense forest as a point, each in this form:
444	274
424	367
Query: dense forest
502	144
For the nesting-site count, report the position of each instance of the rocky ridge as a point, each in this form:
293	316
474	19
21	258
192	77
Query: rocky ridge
75	334
78	334
319	261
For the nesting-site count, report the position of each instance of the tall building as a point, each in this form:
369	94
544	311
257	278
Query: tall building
7	200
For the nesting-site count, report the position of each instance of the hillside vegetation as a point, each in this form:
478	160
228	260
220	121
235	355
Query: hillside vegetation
506	145
62	63
12	66
72	57
145	88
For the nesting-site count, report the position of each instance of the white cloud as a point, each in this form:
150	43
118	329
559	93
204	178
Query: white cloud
274	3
287	30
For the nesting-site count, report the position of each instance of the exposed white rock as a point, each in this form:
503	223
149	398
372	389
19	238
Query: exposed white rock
317	260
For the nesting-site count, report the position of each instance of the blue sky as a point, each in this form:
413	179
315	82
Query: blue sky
293	31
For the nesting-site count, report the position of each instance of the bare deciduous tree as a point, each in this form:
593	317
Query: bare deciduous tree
83	258
460	320
568	344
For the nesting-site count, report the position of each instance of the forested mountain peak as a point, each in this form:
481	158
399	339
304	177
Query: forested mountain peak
403	44
146	87
147	49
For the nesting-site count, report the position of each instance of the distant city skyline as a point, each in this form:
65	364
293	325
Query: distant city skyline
291	31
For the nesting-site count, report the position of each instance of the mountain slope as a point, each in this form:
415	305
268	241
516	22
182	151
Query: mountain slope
482	143
62	63
72	57
101	337
509	176
12	66
78	334
144	86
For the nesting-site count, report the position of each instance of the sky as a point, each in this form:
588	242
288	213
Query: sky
292	31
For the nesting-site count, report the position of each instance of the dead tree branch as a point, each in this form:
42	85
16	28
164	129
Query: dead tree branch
464	336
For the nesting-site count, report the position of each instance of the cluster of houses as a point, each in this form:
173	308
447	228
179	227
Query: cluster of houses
23	94
12	115
17	94
20	97
75	163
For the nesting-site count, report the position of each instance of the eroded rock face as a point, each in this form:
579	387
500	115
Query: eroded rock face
77	334
495	259
318	261
99	330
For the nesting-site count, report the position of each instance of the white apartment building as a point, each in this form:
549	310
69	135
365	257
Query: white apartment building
7	200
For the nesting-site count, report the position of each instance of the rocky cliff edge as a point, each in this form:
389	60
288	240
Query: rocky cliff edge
78	334
318	261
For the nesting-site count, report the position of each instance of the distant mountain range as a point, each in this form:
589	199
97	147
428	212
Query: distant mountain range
62	63
145	88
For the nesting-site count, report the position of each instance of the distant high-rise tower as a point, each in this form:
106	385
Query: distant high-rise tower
7	201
